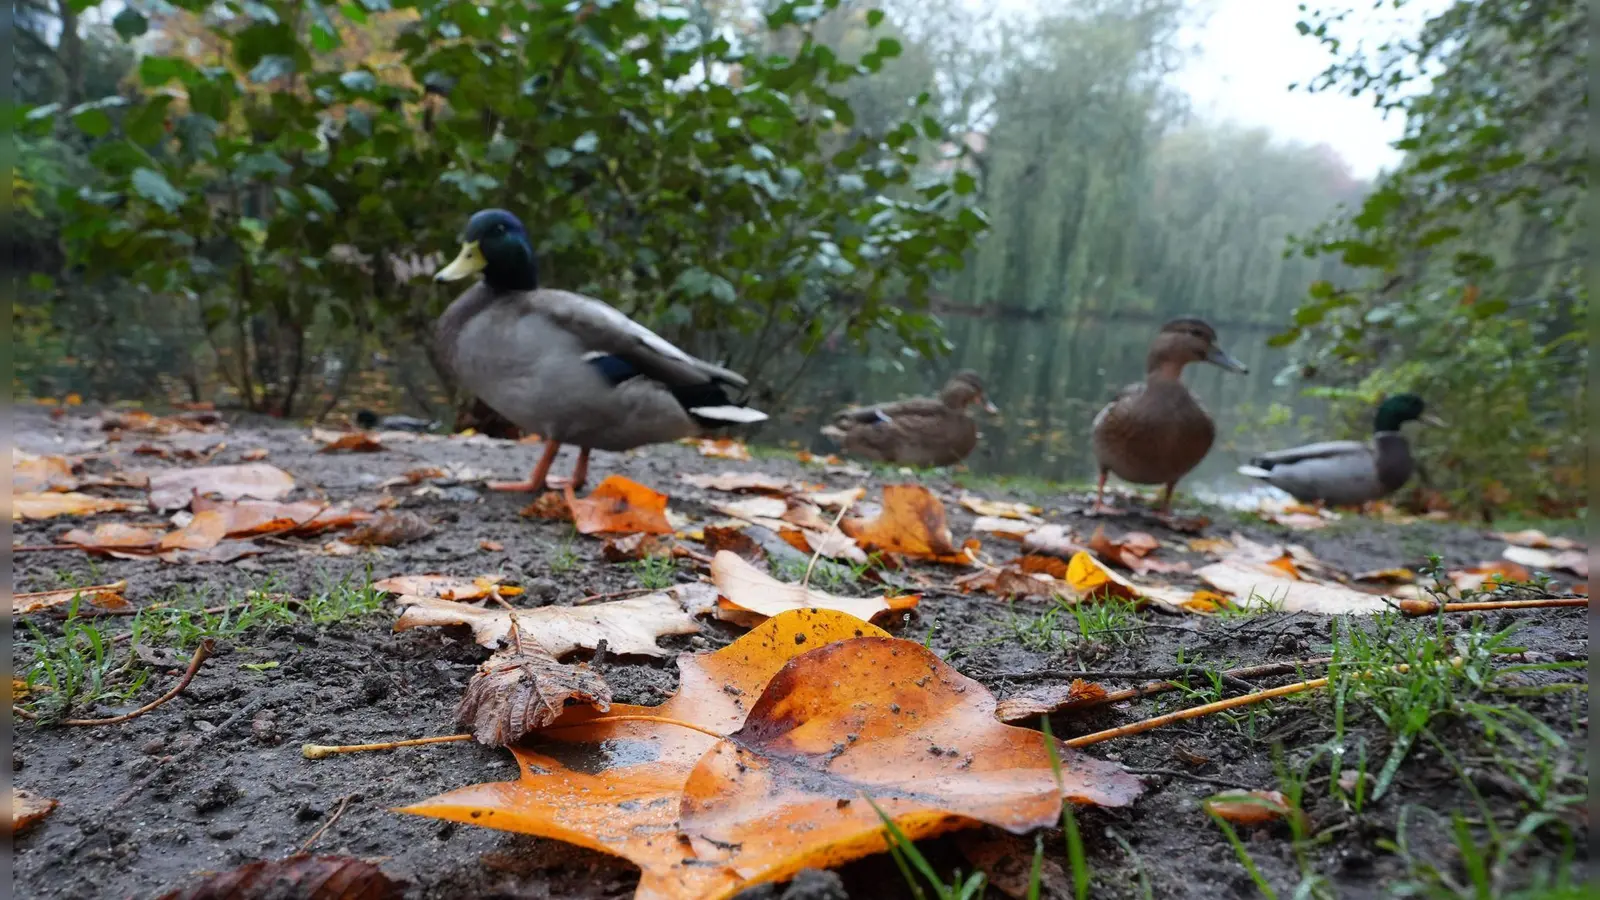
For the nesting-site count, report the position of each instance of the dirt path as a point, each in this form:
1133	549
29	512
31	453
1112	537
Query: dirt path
215	778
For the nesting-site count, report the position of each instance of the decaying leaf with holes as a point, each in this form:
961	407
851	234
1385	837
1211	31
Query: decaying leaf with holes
620	506
750	595
302	877
28	809
912	524
514	693
627	626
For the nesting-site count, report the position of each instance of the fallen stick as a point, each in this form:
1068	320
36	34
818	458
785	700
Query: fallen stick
200	654
321	751
1195	712
1160	687
343	802
1430	607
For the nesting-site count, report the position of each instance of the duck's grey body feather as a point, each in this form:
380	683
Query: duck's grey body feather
1338	473
527	355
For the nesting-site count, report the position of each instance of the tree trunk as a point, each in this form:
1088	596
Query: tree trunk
69	55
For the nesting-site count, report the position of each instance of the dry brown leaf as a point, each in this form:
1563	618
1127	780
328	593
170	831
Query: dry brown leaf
1500	571
252	518
1252	587
489	546
28	809
295	878
834	544
255	454
548	505
719	539
1049	699
1574	561
627	626
204	531
225	552
835	499
513	694
1297	516
175	488
446	587
354	442
1387	576
391	528
102	596
37	474
1091	578
1010	529
744	482
1007	864
1249	807
1053	540
723	448
51	505
629	547
620	506
809	458
912	523
114	537
746	589
1532	537
761	510
1012	580
1001	509
1214	546
706	818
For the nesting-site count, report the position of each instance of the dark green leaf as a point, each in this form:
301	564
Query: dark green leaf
153	186
130	23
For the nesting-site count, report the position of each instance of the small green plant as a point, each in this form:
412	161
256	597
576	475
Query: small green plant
912	863
342	601
1111	620
564	559
656	572
80	668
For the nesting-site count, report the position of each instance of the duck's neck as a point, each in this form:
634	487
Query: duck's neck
1392	453
512	267
1158	369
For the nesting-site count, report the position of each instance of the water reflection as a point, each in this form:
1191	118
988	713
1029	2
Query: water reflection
1049	378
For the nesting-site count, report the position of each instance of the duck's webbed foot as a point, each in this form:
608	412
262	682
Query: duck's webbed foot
538	481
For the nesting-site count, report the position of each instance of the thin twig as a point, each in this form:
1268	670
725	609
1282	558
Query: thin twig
320	751
1429	607
200	654
1229	676
630	592
343	802
817	554
516	633
1195	712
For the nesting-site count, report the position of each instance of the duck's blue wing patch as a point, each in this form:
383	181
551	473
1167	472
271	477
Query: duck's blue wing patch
615	369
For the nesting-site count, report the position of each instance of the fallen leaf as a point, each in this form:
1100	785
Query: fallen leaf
446	587
51	505
252	518
391	528
1002	509
412	476
1215	546
809	458
1387	576
337	547
620	506
1007	862
295	878
833	544
491	546
1574	561
354	442
1012	581
114	537
548	505
743	482
674	801
912	523
1054	540
1500	571
629	547
255	454
1249	807
513	694
1532	537
719	539
627	626
204	531
761	510
747	589
28	809
1010	529
1090	578
175	488
723	448
1049	699
225	552
836	499
36	474
1581	589
102	596
1254	588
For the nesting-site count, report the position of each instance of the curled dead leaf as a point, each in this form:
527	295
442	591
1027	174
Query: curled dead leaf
1049	699
732	540
112	538
391	528
1002	509
513	694
1532	537
489	546
1010	529
203	531
1011	580
1054	540
255	454
50	505
28	809
620	506
912	523
353	442
446	587
1249	807
175	488
1489	574
629	547
299	877
103	596
746	590
627	626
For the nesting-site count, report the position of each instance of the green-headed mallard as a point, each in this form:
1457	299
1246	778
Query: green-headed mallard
568	367
1348	473
922	431
1155	432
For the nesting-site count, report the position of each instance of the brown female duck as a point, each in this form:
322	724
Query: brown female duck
1155	432
922	431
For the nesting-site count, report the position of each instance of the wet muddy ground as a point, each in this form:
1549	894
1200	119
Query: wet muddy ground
215	778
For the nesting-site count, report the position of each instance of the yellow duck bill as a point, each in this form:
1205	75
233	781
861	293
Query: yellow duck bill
467	263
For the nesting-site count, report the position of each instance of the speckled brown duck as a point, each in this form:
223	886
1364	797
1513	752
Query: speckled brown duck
921	431
1155	431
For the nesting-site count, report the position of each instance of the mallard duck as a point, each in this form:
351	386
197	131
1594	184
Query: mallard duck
1348	473
1155	432
922	431
568	367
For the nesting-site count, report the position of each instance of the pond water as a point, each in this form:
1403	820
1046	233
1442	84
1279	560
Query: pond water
1049	377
